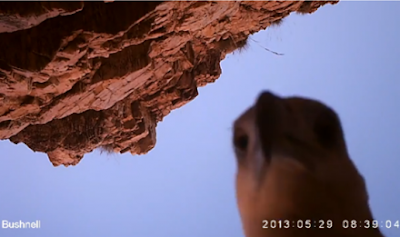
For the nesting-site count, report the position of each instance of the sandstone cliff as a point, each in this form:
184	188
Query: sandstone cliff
78	75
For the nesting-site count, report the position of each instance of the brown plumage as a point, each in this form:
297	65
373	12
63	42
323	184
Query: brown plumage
293	166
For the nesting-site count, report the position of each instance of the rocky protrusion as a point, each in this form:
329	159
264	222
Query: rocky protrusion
81	75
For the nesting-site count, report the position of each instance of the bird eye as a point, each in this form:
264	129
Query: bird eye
241	140
325	128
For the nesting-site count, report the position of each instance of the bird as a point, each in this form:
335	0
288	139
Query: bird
294	175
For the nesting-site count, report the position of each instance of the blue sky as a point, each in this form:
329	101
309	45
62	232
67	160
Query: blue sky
346	55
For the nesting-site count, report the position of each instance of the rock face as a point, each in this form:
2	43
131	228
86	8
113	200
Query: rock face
75	76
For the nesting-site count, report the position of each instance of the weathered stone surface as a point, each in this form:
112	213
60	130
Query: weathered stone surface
78	75
21	15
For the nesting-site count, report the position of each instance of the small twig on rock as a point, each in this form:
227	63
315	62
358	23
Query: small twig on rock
279	54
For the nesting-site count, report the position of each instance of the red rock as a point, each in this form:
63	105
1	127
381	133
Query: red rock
78	75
